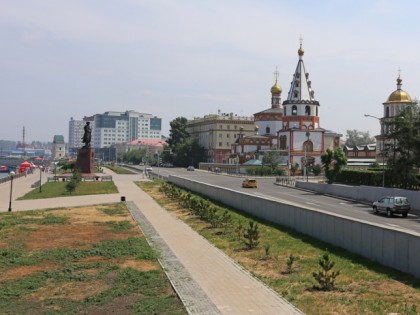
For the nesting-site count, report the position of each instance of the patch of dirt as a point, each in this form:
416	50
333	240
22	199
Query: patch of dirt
90	215
140	265
117	306
71	290
23	271
71	236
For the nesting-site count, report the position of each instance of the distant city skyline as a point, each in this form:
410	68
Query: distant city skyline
63	59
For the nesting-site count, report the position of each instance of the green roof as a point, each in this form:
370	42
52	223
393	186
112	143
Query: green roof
253	162
58	139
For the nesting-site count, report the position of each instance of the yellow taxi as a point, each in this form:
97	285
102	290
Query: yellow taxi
249	183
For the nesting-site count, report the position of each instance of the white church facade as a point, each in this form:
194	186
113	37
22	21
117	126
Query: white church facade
292	128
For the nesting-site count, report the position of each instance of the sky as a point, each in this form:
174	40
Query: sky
170	58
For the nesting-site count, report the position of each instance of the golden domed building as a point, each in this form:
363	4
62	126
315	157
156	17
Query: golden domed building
396	102
291	128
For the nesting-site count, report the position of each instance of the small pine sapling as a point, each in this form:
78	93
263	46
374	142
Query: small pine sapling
226	221
239	230
290	263
252	235
267	248
326	277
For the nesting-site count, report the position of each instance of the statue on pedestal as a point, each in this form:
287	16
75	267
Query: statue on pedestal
87	135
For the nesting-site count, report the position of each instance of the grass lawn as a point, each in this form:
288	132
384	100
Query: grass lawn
82	260
362	287
58	189
119	170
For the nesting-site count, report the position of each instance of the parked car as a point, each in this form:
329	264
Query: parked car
392	205
249	183
190	168
149	169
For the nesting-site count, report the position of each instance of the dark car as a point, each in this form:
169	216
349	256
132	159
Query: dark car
392	205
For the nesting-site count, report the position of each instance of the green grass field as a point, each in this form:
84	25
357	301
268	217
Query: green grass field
119	170
58	189
83	260
363	286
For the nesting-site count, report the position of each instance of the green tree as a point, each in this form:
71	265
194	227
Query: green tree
188	153
403	144
71	186
317	169
294	168
251	235
272	158
326	277
355	137
333	162
178	132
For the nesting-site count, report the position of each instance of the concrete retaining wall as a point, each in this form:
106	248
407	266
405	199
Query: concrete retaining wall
363	193
390	247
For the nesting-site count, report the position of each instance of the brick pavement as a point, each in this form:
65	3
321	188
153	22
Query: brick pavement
206	279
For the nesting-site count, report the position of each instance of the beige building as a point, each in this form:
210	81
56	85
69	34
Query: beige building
59	148
396	102
217	132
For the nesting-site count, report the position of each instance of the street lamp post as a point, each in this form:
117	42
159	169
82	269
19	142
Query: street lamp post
55	171
40	178
382	148
306	160
158	164
12	174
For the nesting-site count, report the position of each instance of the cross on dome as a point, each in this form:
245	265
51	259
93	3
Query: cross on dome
276	74
300	51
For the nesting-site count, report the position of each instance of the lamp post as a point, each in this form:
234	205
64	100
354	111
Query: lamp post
40	178
306	160
12	174
382	148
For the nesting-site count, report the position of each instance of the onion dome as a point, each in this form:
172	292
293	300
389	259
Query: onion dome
276	88
399	95
300	51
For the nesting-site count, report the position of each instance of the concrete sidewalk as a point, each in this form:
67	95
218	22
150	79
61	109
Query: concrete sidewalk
227	286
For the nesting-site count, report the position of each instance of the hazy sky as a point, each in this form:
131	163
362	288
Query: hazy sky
170	58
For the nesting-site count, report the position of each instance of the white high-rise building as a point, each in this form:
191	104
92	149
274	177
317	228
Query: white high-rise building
76	132
112	127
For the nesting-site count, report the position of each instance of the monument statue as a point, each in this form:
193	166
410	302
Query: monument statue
87	135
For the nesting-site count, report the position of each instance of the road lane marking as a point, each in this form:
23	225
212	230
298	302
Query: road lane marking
311	203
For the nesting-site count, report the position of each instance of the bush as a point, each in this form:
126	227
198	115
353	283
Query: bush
325	277
251	235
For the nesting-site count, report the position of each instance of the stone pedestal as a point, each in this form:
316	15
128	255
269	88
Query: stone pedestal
85	159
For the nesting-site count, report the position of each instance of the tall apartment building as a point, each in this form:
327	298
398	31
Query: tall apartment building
112	127
76	132
217	132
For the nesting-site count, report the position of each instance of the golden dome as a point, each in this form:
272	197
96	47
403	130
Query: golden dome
301	51
276	88
399	95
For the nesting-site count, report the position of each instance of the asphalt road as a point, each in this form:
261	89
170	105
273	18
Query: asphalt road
267	188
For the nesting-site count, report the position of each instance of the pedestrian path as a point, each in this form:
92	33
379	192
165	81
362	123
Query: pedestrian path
220	285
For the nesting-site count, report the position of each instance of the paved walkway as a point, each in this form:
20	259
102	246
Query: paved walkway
207	280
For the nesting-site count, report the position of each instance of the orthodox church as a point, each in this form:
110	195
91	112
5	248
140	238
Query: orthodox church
291	128
396	102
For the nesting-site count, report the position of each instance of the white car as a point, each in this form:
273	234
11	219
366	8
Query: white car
149	169
391	205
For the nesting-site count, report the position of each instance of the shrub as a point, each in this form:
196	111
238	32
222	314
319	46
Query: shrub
326	277
251	235
290	262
